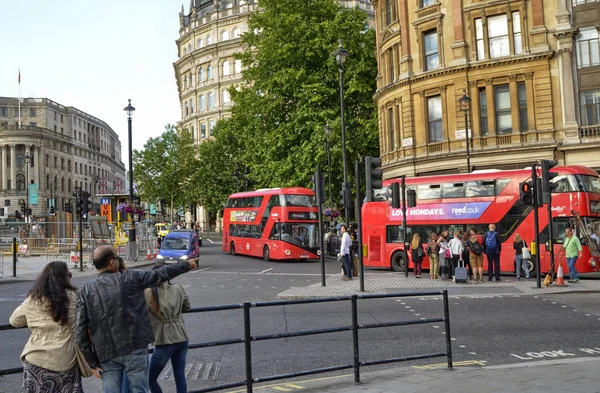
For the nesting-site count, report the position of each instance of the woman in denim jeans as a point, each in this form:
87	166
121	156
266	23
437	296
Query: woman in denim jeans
166	304
518	245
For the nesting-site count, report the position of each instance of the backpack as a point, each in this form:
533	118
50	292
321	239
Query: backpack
475	247
491	243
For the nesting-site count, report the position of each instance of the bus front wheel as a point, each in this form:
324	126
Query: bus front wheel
398	261
266	253
232	248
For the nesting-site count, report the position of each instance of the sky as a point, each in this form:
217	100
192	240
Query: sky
94	55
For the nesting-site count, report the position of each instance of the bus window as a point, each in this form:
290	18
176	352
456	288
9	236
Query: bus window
479	188
300	200
453	190
560	225
394	234
426	191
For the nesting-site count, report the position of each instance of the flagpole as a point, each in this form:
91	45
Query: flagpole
19	97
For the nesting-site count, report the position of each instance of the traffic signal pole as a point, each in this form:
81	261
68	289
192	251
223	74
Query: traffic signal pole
318	191
536	225
406	242
79	198
358	207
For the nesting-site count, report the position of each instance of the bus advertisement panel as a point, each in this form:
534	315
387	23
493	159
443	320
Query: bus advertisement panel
277	223
461	202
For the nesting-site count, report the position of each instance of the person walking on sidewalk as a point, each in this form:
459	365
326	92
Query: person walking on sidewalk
49	359
493	248
112	317
456	248
345	253
432	252
572	247
166	304
417	254
445	255
518	245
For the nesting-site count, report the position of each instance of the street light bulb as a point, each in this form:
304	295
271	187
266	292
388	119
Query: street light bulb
340	54
465	102
27	159
129	109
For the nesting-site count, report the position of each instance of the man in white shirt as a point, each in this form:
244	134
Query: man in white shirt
345	253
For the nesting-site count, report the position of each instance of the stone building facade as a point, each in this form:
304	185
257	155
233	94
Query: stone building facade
68	148
515	60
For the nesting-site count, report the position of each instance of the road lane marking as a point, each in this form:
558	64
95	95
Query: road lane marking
202	270
303	382
264	271
454	364
211	242
281	389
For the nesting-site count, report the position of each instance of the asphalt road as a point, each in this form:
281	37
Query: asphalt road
485	329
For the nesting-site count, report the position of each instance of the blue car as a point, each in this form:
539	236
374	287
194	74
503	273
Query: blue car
179	244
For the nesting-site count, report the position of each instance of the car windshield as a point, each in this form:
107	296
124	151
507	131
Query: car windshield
175	244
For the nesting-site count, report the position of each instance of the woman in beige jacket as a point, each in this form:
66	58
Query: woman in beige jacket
49	360
166	304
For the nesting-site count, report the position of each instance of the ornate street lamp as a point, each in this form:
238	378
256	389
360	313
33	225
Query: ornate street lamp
328	134
132	242
465	106
27	161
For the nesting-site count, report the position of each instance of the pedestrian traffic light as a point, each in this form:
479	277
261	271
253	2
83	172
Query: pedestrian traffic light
547	186
68	207
526	193
411	198
373	176
87	204
395	195
320	190
18	215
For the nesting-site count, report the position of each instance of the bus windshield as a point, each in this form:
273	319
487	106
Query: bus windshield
577	183
300	234
300	200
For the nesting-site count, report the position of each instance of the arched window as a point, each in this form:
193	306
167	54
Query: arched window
236	33
224	35
209	72
190	47
237	66
20	182
201	74
225	68
200	43
202	103
226	97
208	40
211	100
184	51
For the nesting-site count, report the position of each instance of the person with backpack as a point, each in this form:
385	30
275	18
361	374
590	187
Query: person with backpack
432	253
493	248
475	247
518	245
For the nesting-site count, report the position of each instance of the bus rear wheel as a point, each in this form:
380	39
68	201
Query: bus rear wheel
530	264
398	261
266	253
232	248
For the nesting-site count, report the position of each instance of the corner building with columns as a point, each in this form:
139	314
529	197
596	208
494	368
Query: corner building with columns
530	68
68	149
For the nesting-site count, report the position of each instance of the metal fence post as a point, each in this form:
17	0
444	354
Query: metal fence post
447	327
14	250
355	338
248	347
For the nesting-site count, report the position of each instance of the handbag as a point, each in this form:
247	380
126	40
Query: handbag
84	368
526	252
448	253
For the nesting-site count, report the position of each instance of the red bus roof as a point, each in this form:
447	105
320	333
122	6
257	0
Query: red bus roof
491	175
274	191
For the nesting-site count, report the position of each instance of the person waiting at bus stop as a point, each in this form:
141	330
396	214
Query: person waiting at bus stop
345	253
493	248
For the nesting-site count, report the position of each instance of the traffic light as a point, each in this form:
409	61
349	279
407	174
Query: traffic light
87	204
319	191
346	196
411	198
23	206
52	210
395	195
547	186
79	205
373	176
526	193
68	207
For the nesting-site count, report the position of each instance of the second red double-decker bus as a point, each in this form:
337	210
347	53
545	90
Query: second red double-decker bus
275	223
475	200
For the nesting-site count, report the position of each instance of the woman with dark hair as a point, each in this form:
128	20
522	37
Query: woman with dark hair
166	304
49	360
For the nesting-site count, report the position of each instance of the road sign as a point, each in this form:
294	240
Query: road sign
105	201
33	194
106	211
152	208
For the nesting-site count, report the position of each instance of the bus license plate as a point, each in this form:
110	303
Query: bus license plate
304	256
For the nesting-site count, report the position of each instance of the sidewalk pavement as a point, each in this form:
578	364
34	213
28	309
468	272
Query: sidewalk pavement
382	283
573	375
28	268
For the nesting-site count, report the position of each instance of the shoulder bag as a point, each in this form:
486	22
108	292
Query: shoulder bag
526	252
84	368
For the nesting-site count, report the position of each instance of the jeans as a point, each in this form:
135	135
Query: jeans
572	270
134	366
493	265
348	265
519	261
177	353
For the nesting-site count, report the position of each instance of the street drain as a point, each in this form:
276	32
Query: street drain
205	371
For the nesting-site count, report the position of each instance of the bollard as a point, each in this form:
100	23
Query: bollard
14	250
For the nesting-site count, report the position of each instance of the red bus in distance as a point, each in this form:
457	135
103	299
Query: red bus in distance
475	200
274	223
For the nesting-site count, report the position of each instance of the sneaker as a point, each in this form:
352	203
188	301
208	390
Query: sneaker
571	281
345	278
576	280
518	278
498	279
527	278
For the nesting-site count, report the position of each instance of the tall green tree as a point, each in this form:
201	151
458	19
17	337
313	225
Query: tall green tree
291	91
165	168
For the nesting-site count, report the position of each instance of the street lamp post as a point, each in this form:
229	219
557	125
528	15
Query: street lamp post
465	106
328	133
132	241
27	161
340	55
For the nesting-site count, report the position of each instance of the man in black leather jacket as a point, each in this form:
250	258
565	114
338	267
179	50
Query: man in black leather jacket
113	325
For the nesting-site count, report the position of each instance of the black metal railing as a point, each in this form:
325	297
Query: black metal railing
354	328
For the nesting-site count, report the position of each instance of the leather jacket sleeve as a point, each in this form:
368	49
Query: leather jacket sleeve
154	278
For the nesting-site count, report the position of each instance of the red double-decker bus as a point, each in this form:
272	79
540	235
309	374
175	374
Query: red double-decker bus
475	200
275	223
